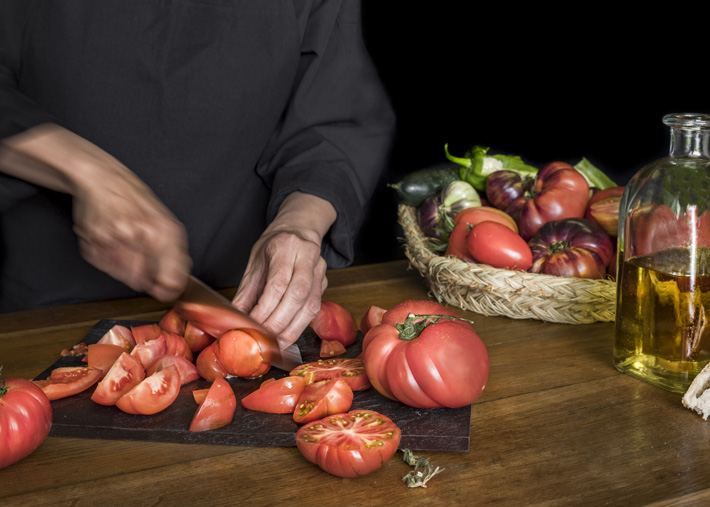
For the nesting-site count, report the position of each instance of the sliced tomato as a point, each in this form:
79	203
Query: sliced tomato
154	394
119	335
217	410
199	395
333	322
349	445
146	332
186	370
196	338
240	353
65	382
331	348
351	371
125	373
208	366
175	345
275	396
149	352
321	399
102	356
172	323
372	317
78	350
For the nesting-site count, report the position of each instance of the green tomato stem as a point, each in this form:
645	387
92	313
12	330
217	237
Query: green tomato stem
414	324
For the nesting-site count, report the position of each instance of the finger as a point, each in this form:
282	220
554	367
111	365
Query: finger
251	285
119	262
279	267
298	291
307	312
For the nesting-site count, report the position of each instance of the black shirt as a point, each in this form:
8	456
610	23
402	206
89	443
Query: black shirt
223	107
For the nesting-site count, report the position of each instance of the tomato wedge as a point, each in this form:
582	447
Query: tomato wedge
186	370
372	318
321	399
172	323
208	366
149	352
199	395
124	375
154	394
175	345
351	371
333	322
275	396
330	348
217	410
119	335
102	356
196	338
349	445
65	382
146	332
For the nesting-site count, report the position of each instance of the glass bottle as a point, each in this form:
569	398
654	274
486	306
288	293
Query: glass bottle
662	331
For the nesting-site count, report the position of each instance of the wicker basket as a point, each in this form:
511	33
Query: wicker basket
515	294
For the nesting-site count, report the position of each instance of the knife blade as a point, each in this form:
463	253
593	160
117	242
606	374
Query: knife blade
214	314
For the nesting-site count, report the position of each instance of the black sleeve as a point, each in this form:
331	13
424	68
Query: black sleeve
17	112
335	135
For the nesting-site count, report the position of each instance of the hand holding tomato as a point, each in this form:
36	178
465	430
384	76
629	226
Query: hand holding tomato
285	276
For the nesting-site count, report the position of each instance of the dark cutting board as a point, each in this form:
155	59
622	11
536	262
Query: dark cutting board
78	416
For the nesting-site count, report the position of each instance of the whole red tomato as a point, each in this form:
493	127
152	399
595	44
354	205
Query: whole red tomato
427	361
466	220
558	192
349	445
25	419
572	247
496	245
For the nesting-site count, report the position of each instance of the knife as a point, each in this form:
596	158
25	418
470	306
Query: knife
215	315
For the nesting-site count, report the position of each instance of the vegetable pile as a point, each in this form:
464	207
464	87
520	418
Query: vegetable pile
417	352
498	210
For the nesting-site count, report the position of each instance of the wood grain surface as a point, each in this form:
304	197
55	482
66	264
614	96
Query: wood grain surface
557	425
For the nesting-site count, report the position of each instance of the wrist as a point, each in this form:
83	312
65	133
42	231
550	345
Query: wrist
312	216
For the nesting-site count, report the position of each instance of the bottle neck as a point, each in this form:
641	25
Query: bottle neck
687	143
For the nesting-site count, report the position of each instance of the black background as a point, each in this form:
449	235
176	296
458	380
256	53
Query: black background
558	85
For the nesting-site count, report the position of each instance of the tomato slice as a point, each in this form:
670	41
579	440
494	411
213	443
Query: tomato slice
196	338
199	395
65	382
208	366
172	323
102	355
149	352
349	445
154	394
372	318
239	352
175	345
146	332
125	373
119	335
330	348
321	399
333	322
186	370
217	410
351	371
275	396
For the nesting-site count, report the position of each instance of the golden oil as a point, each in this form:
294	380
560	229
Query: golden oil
662	331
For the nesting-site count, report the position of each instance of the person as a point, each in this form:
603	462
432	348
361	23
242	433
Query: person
144	140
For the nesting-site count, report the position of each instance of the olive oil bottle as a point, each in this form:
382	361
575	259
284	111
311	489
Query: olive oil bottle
662	332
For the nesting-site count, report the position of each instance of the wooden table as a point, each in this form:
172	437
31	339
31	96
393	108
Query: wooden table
556	425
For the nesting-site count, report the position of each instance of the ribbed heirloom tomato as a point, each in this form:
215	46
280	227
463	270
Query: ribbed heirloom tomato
349	445
25	419
426	360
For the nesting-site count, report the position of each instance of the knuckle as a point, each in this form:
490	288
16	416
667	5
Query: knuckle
300	289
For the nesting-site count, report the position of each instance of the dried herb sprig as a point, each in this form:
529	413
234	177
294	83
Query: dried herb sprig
423	471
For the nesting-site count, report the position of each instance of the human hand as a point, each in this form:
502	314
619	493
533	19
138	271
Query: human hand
285	276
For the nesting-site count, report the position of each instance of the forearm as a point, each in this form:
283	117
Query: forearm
309	214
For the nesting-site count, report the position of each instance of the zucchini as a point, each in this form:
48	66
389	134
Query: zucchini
417	186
